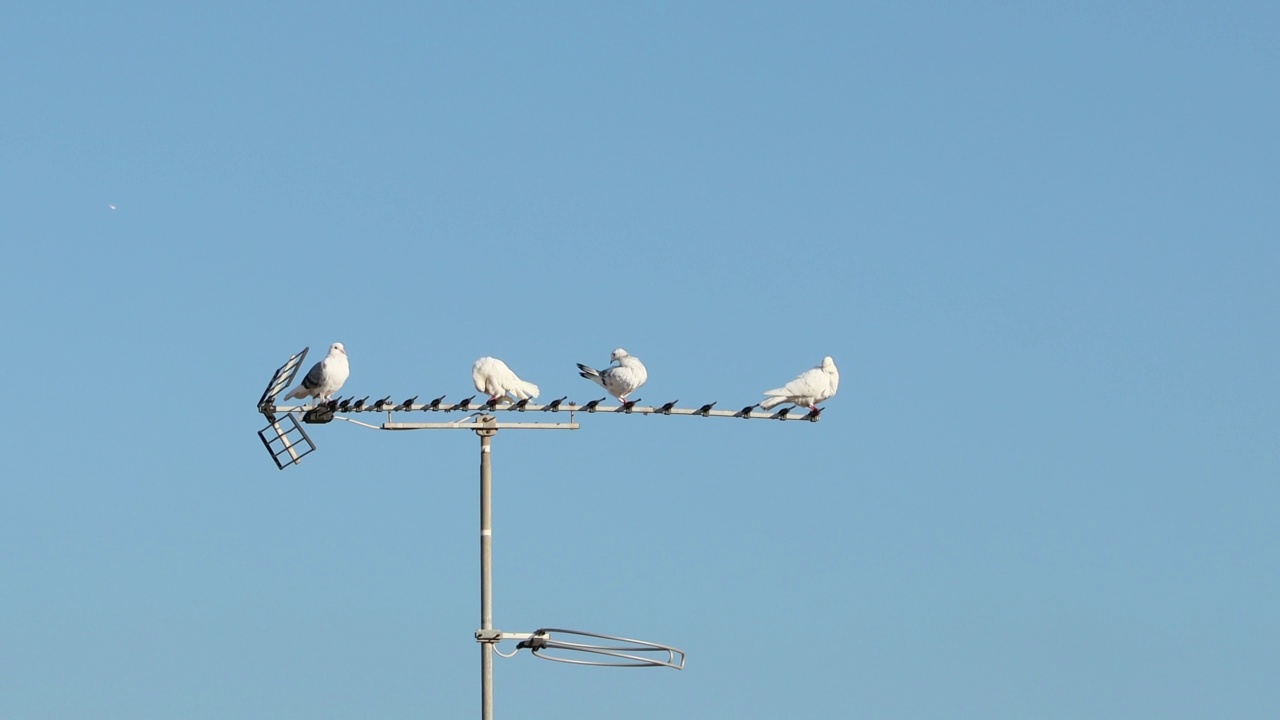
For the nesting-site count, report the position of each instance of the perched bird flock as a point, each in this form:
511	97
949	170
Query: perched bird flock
624	375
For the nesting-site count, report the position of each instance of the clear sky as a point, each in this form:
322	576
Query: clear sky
1040	240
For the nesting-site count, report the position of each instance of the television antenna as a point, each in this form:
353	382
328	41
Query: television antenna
287	442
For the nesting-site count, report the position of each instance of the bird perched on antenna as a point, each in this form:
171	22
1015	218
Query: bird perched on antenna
620	380
326	377
492	377
808	389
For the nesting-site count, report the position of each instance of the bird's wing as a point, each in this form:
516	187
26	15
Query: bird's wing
619	380
315	377
504	379
810	383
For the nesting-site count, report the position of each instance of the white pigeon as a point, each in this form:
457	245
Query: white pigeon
325	377
808	389
494	378
620	380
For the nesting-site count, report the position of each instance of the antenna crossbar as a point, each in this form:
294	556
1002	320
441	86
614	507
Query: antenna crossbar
593	407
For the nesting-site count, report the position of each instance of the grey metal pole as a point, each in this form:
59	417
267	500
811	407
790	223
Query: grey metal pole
486	570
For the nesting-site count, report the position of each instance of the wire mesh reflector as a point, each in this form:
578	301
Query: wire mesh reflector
285	439
617	652
283	377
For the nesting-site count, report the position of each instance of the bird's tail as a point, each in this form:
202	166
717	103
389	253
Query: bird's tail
773	400
524	390
591	374
299	393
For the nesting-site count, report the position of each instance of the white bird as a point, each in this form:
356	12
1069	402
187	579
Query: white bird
494	378
620	380
808	389
325	377
110	206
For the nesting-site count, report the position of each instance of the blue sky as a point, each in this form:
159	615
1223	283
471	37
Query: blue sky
1039	241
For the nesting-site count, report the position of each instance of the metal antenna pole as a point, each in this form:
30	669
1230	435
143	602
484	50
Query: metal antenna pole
486	570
